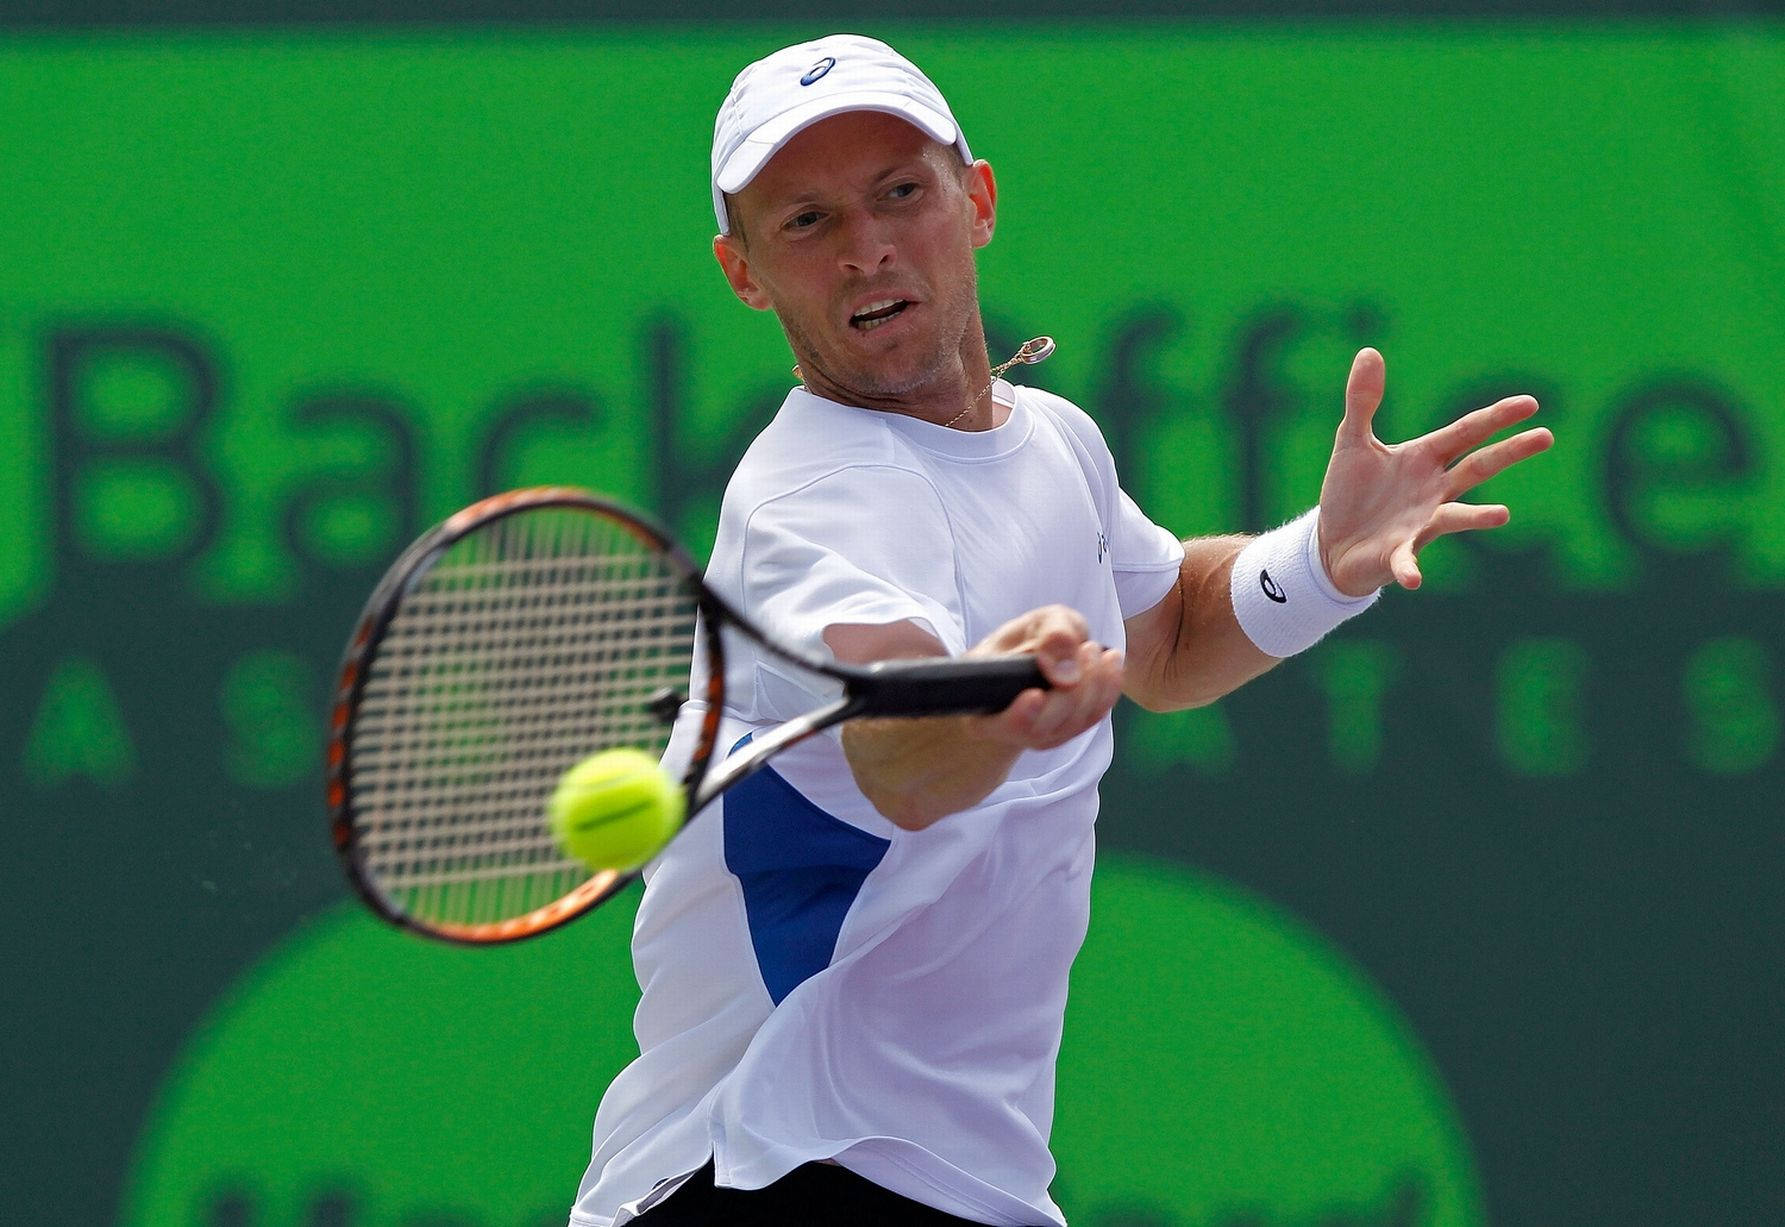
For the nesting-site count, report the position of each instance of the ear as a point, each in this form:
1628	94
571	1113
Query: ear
982	194
736	266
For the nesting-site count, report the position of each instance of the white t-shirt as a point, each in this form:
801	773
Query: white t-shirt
818	983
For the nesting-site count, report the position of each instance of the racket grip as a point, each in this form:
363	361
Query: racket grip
945	687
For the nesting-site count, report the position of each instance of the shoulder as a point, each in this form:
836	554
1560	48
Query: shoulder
809	440
1079	432
1072	423
821	469
1056	408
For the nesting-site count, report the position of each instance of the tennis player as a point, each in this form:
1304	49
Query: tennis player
854	974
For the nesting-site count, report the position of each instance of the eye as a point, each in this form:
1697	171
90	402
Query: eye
803	221
902	191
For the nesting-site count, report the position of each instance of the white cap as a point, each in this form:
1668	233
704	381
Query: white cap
782	94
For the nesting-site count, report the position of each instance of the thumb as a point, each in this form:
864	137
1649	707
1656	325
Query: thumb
1363	391
1405	567
1058	658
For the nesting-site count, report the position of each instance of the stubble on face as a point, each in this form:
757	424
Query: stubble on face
931	361
862	243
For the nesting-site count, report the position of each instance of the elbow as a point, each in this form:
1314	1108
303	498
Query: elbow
915	784
1152	684
1172	683
913	804
1153	694
1150	700
1162	700
908	810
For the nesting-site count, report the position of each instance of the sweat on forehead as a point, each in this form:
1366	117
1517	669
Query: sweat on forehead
777	98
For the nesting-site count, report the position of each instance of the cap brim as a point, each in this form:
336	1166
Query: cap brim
748	159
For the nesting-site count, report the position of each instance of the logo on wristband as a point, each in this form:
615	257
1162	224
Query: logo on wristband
1271	589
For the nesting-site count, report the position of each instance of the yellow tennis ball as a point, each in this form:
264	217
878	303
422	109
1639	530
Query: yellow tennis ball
615	809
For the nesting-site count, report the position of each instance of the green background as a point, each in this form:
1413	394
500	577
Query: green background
272	300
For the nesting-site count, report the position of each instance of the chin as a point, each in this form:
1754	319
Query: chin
900	374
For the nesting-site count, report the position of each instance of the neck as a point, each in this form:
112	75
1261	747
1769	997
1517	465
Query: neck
981	413
1035	349
957	394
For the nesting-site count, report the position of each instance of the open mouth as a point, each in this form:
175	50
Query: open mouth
875	314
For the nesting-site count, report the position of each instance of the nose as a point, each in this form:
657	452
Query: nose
867	245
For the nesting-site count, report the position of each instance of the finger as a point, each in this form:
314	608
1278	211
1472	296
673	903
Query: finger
1053	619
1473	429
1460	518
1112	671
1070	713
1477	467
1112	667
1058	633
1363	392
1405	567
1057	713
1015	724
1060	664
1102	692
1071	704
1058	728
1056	646
1097	694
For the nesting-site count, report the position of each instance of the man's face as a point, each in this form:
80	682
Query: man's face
859	234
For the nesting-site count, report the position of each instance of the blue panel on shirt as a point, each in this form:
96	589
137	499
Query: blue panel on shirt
800	868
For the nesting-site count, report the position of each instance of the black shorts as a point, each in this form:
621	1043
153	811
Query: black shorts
816	1194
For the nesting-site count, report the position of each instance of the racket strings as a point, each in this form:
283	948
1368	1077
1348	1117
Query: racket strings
533	641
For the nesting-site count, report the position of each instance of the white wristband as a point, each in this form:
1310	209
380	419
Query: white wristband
1282	596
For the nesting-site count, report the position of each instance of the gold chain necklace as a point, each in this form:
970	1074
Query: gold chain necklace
1030	352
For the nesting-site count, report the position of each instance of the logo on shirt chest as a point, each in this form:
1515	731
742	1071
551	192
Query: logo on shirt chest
1102	548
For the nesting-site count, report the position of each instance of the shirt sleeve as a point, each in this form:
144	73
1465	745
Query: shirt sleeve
1144	558
869	544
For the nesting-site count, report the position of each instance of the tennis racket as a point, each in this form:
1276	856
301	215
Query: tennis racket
512	640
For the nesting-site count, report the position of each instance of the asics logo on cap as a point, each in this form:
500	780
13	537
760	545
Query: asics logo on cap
766	109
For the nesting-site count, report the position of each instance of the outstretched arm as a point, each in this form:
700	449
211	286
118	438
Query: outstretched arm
1380	505
1189	649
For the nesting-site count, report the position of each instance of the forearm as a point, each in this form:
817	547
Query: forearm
1241	604
1196	651
918	771
914	771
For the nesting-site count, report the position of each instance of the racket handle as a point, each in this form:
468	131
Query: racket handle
944	687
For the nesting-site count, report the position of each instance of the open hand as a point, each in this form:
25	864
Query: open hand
1382	503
